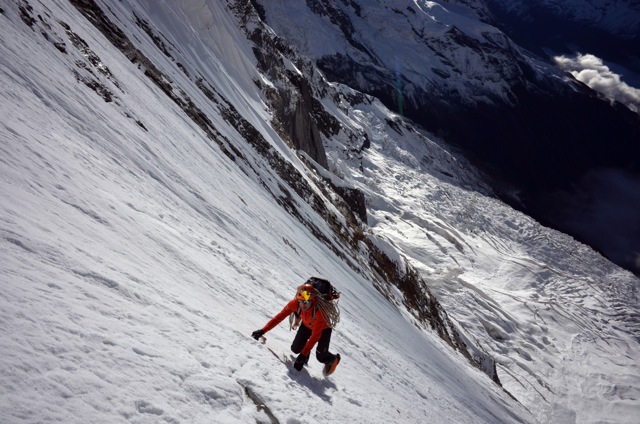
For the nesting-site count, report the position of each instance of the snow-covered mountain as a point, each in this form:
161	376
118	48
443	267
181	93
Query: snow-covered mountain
171	171
448	67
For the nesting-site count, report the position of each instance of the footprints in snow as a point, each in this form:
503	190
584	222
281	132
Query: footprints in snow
144	407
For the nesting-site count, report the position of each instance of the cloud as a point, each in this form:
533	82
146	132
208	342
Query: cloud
590	70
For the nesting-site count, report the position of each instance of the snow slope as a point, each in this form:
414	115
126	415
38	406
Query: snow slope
137	256
136	263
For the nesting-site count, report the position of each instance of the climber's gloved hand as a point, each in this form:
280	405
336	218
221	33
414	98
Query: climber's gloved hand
257	334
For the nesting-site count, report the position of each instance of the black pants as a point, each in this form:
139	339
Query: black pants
322	351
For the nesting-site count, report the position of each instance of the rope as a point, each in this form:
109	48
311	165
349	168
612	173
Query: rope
330	310
294	321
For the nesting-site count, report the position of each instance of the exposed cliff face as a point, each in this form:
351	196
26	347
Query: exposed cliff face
290	95
305	133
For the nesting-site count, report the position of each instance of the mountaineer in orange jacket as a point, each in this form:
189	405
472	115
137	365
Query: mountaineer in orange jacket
306	308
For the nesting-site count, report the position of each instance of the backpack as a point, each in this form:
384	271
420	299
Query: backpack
325	288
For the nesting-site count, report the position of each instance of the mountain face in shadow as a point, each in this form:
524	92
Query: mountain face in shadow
530	126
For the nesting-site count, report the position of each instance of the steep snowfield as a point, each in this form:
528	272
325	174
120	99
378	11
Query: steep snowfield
137	257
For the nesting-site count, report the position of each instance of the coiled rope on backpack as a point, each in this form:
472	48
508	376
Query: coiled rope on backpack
330	311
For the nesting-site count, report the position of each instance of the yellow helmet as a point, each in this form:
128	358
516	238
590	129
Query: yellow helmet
305	292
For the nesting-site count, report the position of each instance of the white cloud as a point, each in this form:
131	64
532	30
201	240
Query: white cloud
590	70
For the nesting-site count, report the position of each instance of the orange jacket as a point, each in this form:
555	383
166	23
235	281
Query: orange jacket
310	319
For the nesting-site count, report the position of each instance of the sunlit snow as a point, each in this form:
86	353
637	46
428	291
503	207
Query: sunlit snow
136	258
